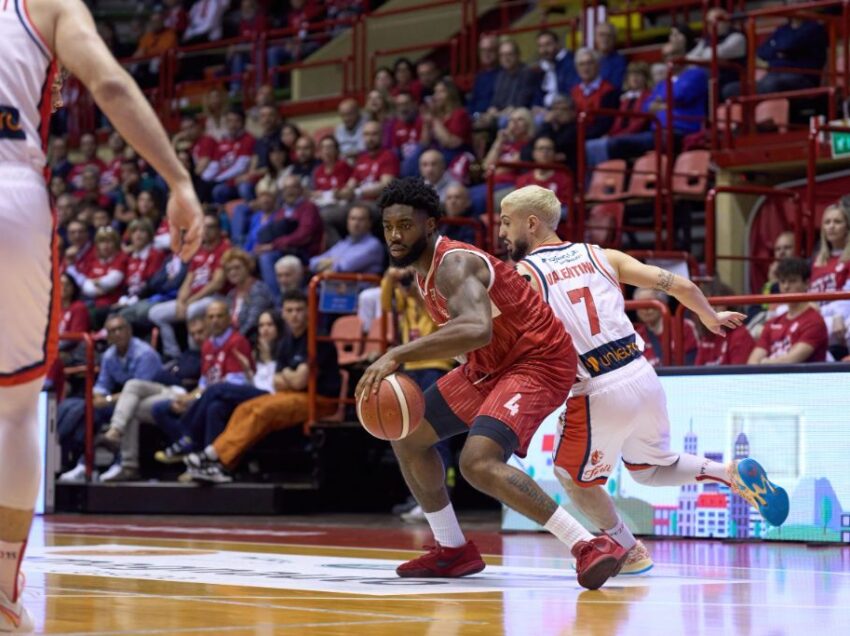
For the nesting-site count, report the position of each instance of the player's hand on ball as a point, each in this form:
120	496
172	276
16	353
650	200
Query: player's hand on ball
185	220
724	320
376	372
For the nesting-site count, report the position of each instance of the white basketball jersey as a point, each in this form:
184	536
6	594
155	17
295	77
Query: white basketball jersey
582	289
26	75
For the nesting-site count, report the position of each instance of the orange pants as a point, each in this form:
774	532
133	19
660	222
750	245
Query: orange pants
256	418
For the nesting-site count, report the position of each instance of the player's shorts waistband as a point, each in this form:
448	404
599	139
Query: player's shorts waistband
634	369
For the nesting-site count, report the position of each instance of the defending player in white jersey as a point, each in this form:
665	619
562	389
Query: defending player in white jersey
617	406
36	36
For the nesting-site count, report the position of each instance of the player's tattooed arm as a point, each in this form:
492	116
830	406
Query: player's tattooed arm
665	280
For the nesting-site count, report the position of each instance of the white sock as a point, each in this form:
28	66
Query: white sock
445	527
568	530
11	555
209	451
622	535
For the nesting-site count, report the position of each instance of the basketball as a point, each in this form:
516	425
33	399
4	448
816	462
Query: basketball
395	411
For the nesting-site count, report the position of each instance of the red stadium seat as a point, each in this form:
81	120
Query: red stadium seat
604	225
690	174
347	334
608	181
773	114
644	181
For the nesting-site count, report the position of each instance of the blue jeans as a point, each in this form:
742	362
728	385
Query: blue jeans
240	223
209	415
167	421
596	151
222	192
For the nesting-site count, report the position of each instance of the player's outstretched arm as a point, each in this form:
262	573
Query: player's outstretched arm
71	32
631	271
462	279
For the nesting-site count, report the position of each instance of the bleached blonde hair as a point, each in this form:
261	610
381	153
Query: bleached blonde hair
538	201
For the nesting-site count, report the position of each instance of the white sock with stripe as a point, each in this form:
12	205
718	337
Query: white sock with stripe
445	527
621	534
566	528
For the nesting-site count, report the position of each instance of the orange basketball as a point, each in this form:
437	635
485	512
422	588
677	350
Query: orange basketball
395	411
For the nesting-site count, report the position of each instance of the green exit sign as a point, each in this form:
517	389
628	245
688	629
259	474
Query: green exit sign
840	144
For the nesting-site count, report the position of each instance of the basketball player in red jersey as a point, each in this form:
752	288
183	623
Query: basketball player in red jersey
516	355
36	35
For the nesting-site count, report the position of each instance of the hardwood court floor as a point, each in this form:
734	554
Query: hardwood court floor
97	576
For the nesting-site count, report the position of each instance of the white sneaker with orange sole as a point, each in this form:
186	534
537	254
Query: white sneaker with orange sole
14	617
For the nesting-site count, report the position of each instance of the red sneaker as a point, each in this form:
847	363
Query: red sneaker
442	562
598	560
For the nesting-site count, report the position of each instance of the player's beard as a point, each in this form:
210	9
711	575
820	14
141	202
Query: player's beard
413	253
519	250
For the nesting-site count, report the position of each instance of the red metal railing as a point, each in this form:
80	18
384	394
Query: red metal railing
314	338
492	222
711	255
751	299
662	188
88	393
667	321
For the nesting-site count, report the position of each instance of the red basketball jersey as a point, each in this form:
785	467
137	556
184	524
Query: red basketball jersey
524	328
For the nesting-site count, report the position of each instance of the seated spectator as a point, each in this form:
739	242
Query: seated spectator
557	70
253	124
65	209
125	359
207	417
428	74
379	108
89	190
349	132
88	149
143	261
734	346
301	43
296	229
506	148
798	335
458	205
485	79
446	125
60	165
383	81
252	23
795	54
651	329
405	129
231	159
134	407
731	46
80	248
248	297
632	99
374	168
690	95
205	21
214	112
73	318
269	127
831	273
304	161
359	252
612	65
225	357
331	175
157	40
555	180
559	125
289	273
111	176
592	93
286	407
783	247
404	76
515	87
199	289
289	134
255	217
201	145
432	168
102	279
160	287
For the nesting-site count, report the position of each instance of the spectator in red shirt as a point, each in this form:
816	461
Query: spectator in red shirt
800	334
88	148
651	329
446	124
734	347
405	128
74	317
301	43
296	229
102	278
192	137
330	176
231	159
89	192
554	180
79	249
200	288
143	261
252	23
831	272
428	73
593	92
111	176
405	79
